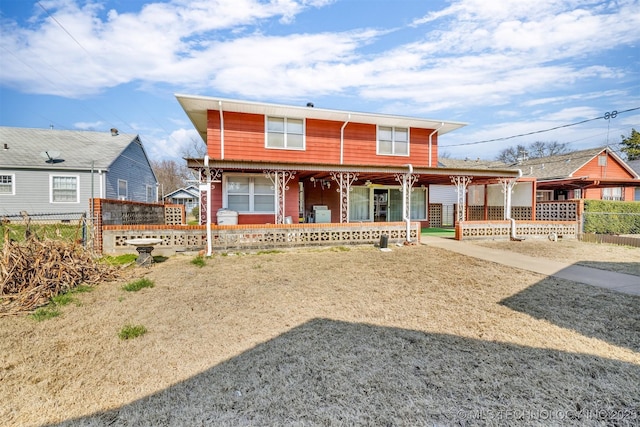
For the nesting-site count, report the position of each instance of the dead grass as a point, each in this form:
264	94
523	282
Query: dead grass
623	259
416	336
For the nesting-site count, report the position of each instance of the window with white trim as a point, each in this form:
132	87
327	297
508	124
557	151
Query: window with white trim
393	141
64	189
150	194
7	185
123	189
612	193
250	194
285	133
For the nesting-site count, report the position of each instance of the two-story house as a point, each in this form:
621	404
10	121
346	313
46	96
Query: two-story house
273	163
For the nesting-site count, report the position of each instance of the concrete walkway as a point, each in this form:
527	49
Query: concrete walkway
625	283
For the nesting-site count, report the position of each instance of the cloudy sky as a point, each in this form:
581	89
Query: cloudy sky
507	68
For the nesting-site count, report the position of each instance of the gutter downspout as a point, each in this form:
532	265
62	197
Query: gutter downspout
209	243
430	135
508	208
406	211
344	125
221	131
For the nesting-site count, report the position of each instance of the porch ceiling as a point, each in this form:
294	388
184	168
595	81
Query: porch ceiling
381	175
586	182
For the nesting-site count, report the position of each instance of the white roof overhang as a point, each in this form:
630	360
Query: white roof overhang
196	108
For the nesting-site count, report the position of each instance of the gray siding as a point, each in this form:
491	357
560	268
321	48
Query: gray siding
33	192
132	166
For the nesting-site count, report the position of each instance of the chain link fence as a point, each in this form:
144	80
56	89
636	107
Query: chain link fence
71	227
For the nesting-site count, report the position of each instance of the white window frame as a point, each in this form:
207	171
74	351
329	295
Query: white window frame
393	141
609	193
251	193
544	196
11	184
149	192
124	196
423	209
285	133
51	180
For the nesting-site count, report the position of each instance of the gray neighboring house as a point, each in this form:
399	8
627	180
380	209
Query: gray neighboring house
635	165
187	196
45	171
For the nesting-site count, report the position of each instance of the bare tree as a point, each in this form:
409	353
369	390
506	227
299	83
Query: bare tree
197	149
171	175
511	155
534	150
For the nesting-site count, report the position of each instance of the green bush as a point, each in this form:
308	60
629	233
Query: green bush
611	217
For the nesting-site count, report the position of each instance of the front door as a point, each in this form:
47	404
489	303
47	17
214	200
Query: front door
380	205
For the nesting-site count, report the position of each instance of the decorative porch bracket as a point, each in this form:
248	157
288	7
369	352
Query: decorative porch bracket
280	180
344	181
406	180
507	190
461	183
207	176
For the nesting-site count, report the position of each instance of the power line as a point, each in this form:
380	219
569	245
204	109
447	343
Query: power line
106	71
63	28
607	116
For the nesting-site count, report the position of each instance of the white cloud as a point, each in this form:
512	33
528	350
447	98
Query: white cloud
180	143
473	53
97	125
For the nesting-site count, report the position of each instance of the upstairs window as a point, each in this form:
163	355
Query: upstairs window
7	187
285	133
64	189
393	141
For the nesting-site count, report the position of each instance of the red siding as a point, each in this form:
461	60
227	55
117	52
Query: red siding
244	140
291	206
613	169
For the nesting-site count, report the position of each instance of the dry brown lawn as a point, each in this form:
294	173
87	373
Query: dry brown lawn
339	336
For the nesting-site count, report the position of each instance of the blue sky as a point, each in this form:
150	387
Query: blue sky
506	68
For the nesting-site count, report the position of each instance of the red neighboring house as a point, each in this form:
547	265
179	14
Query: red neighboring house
279	163
597	173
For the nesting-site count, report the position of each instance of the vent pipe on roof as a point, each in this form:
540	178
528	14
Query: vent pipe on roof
6	146
114	132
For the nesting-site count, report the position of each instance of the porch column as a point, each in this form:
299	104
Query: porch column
280	180
407	180
507	190
207	176
344	181
461	183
